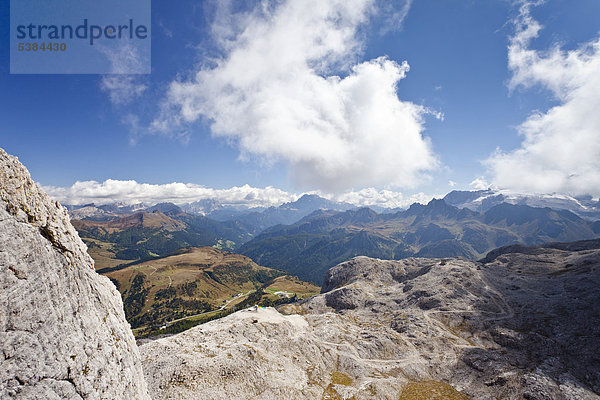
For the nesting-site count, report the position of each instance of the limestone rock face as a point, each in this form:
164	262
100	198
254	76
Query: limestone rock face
63	333
523	326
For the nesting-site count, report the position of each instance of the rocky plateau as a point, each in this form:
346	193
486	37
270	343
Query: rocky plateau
524	325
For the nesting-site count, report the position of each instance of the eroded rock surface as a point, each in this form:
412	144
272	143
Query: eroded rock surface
524	326
63	333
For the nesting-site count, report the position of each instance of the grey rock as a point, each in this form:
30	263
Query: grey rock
63	333
523	326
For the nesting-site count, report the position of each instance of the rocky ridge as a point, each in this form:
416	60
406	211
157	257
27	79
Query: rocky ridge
523	326
63	332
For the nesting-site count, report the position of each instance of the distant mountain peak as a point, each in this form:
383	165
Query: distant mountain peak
203	206
307	196
437	203
462	196
306	201
365	214
165	208
434	207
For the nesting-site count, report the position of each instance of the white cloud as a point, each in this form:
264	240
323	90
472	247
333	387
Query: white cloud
121	84
560	151
451	183
124	58
382	198
394	13
480	183
122	89
132	192
274	94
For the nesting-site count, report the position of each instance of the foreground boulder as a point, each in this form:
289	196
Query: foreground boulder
524	325
63	333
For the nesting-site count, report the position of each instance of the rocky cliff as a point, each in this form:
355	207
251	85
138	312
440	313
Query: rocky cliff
524	325
63	333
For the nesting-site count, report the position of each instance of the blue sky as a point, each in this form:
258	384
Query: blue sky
68	128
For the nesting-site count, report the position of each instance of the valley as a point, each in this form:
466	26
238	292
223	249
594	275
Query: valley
149	234
196	284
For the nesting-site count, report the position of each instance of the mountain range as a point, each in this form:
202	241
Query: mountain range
259	218
285	213
482	200
319	241
310	235
145	235
117	233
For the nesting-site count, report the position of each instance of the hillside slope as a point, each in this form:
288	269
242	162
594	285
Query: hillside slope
196	281
522	326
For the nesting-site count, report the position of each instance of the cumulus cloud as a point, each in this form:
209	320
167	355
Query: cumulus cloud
560	152
132	192
382	198
275	94
480	183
